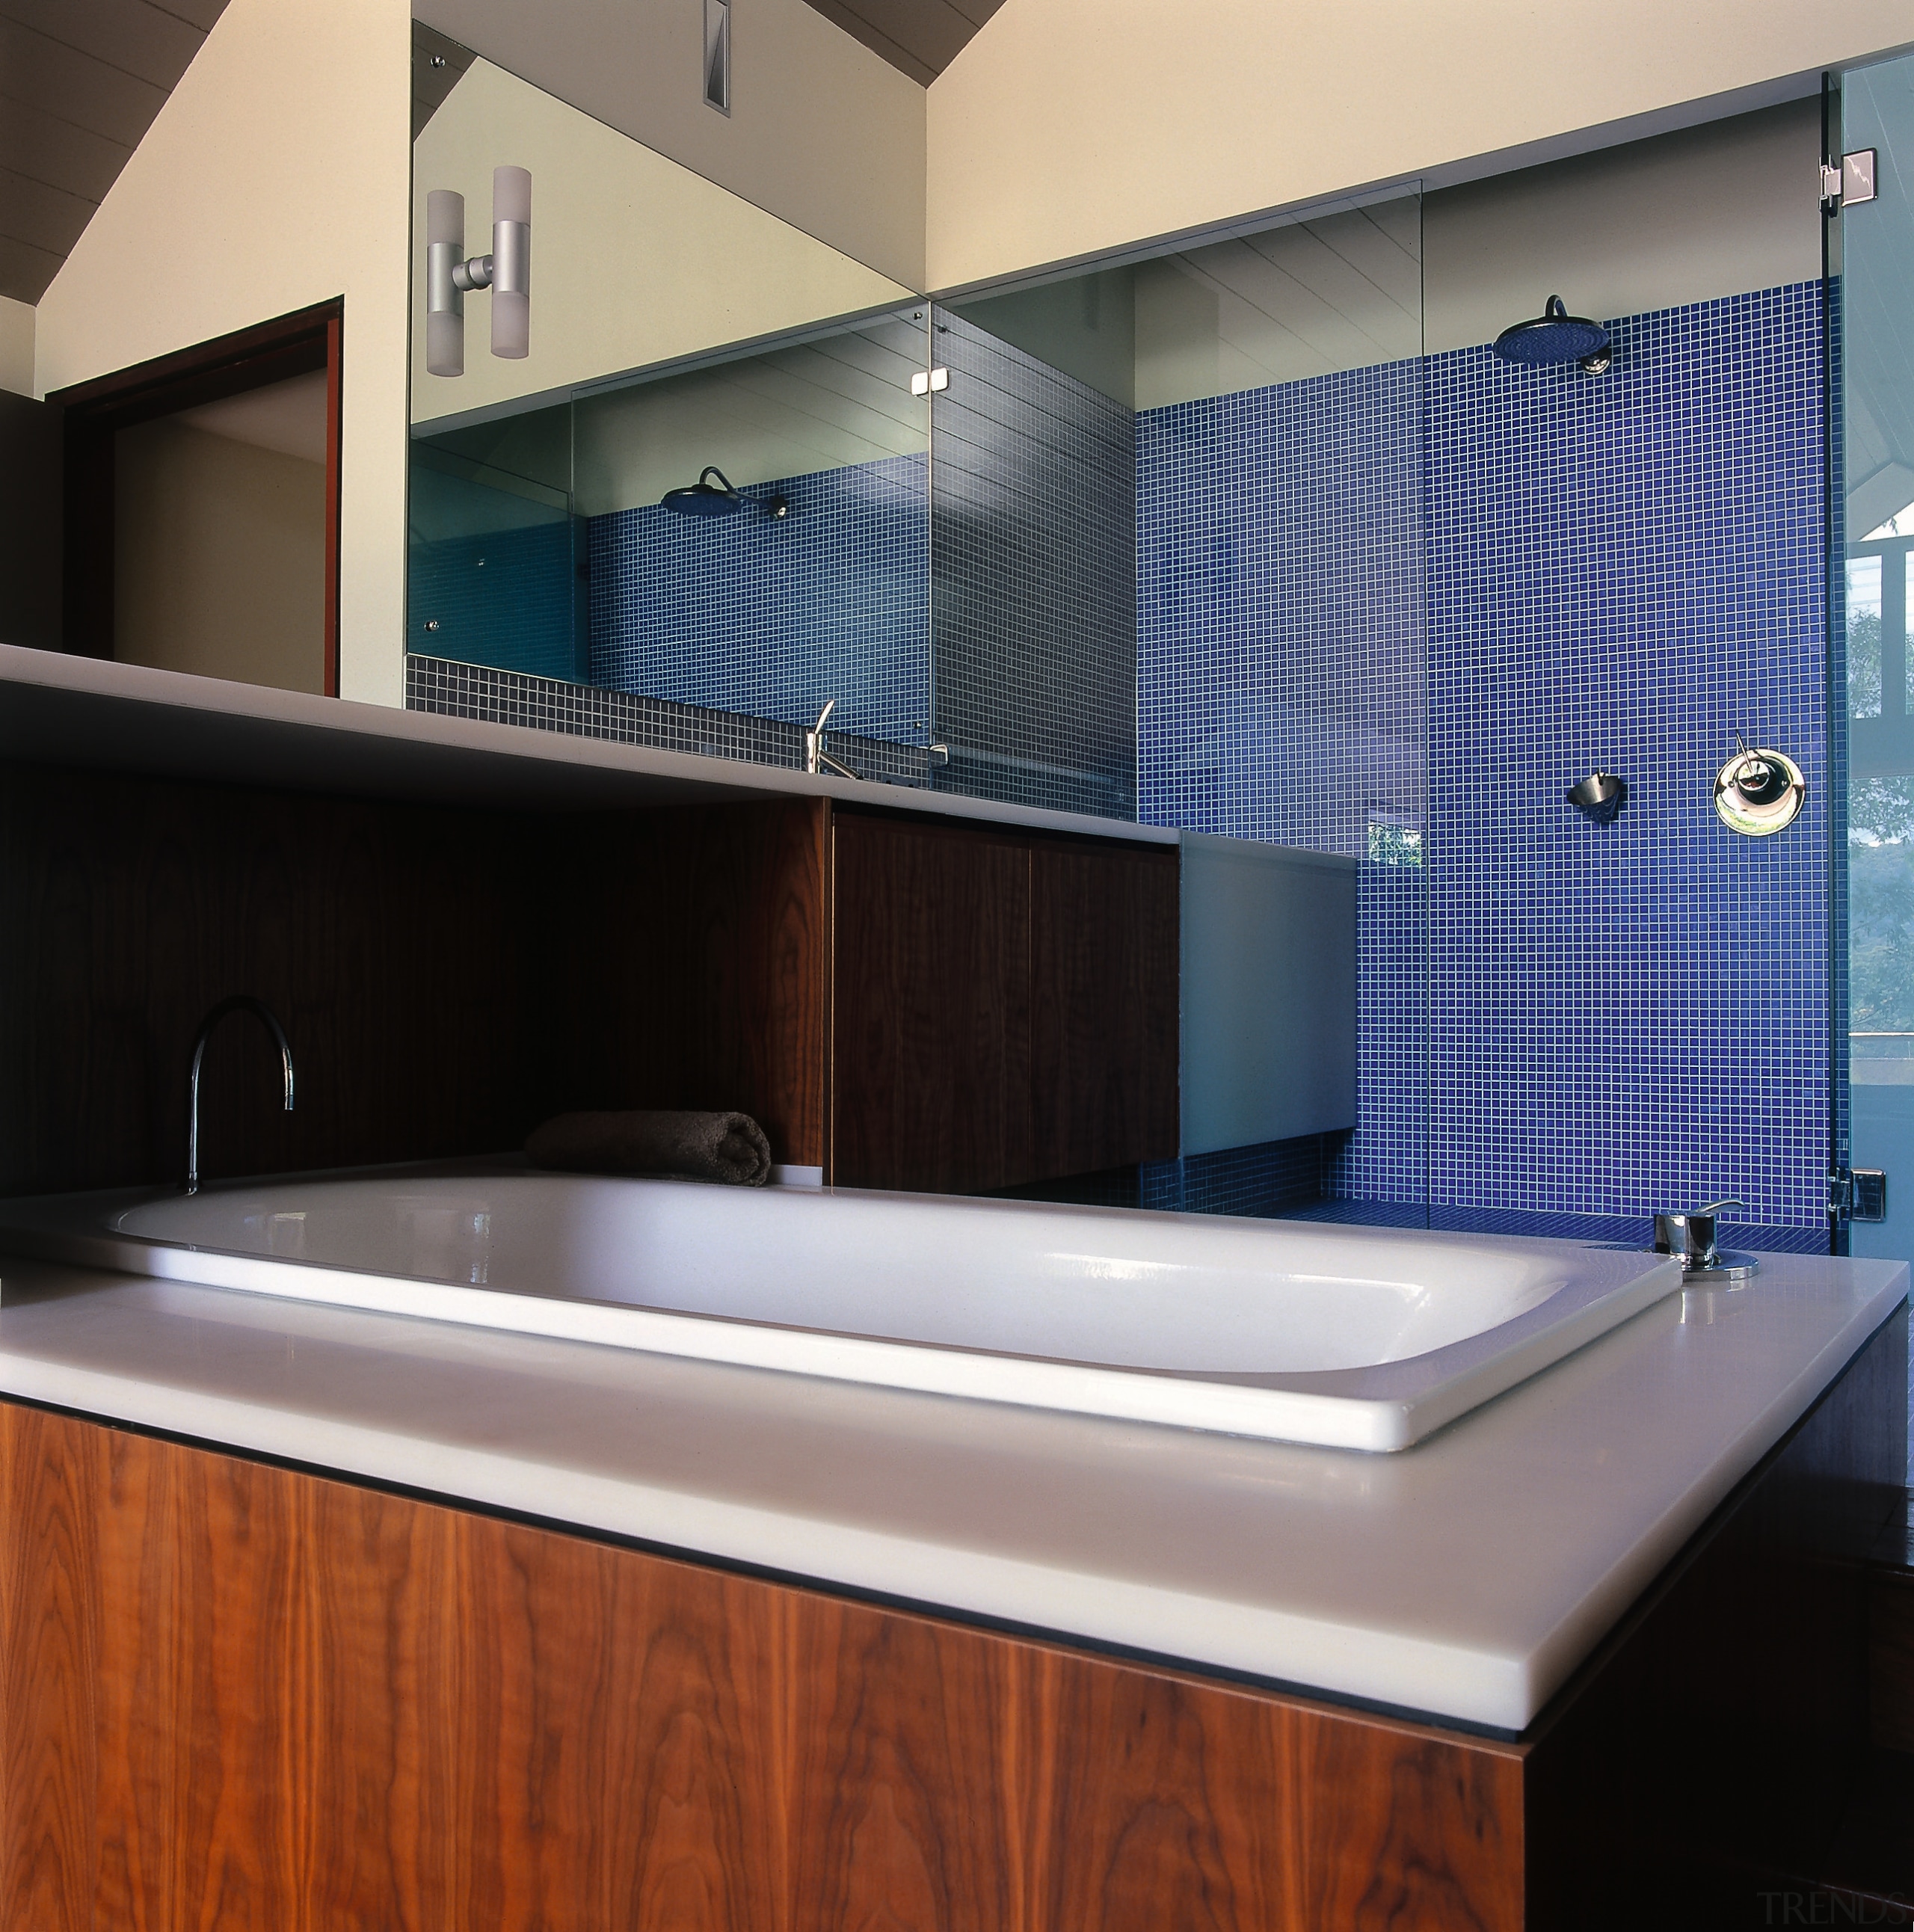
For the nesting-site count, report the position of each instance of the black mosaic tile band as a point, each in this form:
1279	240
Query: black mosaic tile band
452	689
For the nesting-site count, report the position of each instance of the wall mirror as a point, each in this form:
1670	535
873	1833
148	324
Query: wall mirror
677	333
929	516
1143	541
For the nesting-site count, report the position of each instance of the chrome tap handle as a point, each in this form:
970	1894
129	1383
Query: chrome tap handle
232	1002
816	759
1692	1235
814	739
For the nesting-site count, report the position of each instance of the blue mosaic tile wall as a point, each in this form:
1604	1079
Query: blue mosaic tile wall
1282	683
769	616
1625	572
1270	1178
1621	572
998	615
504	697
1840	1151
504	597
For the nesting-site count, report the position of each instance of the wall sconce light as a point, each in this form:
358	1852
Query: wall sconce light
506	271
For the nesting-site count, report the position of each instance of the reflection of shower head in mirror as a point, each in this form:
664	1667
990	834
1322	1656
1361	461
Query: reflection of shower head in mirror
707	499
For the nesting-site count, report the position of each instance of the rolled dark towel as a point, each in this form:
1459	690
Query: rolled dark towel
730	1148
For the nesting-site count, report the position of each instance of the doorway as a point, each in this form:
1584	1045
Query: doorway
201	508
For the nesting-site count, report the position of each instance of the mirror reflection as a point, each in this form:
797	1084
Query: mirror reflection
964	494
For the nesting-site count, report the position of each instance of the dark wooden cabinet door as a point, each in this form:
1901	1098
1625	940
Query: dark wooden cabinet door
1103	1006
930	1062
683	957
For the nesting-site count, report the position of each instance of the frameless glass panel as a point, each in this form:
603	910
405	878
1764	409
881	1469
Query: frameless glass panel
497	555
1876	504
1178	571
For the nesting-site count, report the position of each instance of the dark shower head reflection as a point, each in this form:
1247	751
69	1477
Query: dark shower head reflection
705	498
1555	336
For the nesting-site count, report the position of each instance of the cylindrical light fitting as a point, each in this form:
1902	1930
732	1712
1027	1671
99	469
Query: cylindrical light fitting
511	262
445	305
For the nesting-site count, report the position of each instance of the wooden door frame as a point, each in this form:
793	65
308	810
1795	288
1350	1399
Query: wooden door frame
299	344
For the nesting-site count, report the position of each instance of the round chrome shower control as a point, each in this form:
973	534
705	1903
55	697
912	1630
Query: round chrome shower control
1760	783
1759	793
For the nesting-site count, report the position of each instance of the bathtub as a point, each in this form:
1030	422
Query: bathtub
1352	1338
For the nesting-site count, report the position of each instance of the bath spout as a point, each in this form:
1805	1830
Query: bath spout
233	1002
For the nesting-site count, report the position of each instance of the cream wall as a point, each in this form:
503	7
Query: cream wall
635	259
1071	127
16	347
821	132
277	175
219	556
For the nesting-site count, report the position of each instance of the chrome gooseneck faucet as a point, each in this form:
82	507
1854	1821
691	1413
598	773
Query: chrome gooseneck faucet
816	759
233	1002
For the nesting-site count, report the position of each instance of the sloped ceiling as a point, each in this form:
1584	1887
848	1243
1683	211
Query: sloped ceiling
919	37
80	81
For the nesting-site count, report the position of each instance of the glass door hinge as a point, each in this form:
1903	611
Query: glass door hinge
1851	184
1858	1194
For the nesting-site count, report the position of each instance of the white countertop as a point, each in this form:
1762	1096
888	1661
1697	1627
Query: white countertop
58	710
1465	1578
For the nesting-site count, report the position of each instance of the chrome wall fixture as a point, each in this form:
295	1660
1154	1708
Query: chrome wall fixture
1692	1236
718	55
1759	793
506	271
1601	796
705	498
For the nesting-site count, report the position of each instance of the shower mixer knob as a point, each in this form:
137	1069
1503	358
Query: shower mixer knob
1759	782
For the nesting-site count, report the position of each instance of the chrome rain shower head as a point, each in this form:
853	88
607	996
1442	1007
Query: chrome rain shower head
1555	336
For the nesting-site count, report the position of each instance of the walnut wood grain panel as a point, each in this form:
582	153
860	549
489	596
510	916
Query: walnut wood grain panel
905	1757
241	1697
930	1014
685	966
1103	1006
388	938
52	1580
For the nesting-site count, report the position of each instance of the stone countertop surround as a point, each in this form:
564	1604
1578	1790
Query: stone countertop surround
1464	1578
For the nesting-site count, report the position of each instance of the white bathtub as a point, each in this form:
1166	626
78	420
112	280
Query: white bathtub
1351	1337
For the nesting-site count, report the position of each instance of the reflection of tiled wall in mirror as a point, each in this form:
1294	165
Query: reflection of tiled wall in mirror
1033	578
